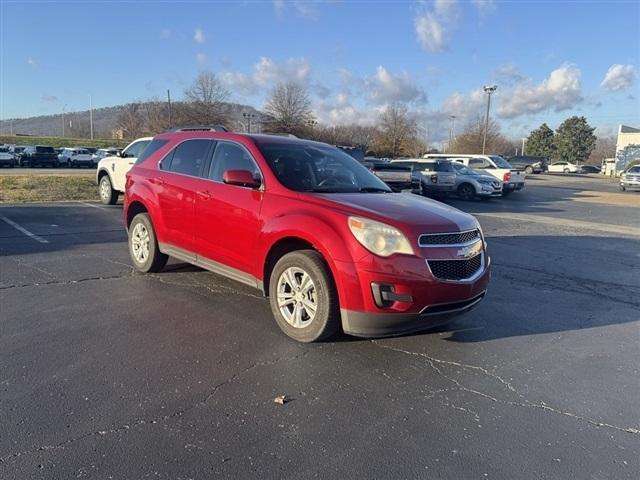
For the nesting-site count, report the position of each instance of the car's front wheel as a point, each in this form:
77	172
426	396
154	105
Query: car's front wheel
466	191
143	245
303	297
529	169
108	195
566	170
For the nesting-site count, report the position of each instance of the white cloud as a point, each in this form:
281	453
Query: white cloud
308	9
266	73
32	62
560	91
199	36
484	7
433	27
384	87
619	78
509	74
201	58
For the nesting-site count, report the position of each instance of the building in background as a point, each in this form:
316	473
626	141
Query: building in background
627	148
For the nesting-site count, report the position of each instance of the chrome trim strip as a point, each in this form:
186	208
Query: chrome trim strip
478	299
210	265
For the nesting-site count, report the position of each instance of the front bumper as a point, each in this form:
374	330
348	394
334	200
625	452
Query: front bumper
419	300
630	184
365	324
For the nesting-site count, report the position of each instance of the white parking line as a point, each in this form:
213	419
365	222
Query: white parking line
86	204
23	230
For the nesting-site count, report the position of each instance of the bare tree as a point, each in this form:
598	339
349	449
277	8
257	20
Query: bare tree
397	131
206	98
131	121
470	140
605	148
289	109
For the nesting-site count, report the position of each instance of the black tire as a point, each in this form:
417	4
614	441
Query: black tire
466	191
155	260
109	197
529	169
506	193
326	320
622	188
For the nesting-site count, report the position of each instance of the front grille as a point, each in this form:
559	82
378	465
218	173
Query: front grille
448	238
455	269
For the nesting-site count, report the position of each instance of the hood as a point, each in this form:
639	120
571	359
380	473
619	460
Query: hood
401	209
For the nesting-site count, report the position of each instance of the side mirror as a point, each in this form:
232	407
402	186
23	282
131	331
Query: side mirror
121	154
243	178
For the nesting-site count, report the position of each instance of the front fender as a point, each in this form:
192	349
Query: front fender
325	237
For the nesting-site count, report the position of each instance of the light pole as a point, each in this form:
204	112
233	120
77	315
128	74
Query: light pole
248	116
522	151
488	89
91	117
452	120
64	107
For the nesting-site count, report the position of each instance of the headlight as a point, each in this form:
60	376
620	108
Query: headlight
379	238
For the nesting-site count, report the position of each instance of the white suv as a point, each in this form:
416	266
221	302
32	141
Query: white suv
112	171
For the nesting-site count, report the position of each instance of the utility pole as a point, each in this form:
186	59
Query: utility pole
91	117
248	116
488	89
522	151
169	105
63	110
452	120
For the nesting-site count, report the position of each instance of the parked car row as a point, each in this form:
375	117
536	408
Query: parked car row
31	156
440	175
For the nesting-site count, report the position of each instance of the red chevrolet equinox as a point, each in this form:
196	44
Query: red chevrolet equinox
327	241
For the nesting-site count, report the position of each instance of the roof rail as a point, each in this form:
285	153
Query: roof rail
280	134
200	128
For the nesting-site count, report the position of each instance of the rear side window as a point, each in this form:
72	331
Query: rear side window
479	163
44	150
188	157
229	156
152	148
137	148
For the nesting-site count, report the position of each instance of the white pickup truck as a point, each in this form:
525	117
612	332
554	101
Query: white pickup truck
493	164
112	171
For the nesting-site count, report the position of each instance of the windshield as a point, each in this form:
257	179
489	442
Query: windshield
314	167
634	170
500	162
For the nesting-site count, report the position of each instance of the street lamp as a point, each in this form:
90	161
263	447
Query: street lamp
64	107
452	119
248	116
488	89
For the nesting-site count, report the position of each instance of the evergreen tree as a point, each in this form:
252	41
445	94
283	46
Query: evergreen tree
574	140
540	142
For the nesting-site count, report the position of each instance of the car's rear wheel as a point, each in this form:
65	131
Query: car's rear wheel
529	169
466	191
143	245
566	170
303	297
108	195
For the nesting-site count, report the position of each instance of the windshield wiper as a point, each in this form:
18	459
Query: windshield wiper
373	190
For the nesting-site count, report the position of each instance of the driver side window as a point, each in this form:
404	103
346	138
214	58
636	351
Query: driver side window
229	156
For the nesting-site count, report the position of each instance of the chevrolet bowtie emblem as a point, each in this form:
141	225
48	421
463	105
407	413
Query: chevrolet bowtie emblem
470	251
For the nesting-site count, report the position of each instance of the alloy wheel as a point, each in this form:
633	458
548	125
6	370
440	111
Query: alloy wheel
297	298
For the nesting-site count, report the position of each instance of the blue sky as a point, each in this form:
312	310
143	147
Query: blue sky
550	59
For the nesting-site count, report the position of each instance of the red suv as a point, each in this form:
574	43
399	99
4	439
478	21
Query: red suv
327	241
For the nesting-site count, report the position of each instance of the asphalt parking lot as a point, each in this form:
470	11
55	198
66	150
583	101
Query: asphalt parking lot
105	373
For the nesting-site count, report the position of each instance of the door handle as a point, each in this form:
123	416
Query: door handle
204	195
131	163
157	181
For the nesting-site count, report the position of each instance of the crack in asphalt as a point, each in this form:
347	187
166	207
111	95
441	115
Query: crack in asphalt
525	404
64	282
33	267
154	421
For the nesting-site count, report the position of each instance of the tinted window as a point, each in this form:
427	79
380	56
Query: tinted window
315	167
479	163
500	162
44	150
188	157
137	148
152	148
229	156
